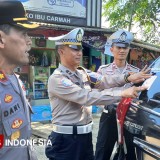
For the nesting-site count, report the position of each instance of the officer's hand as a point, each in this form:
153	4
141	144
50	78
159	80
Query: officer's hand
140	76
132	92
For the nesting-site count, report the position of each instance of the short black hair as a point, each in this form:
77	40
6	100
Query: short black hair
5	28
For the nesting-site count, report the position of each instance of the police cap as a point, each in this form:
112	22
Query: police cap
73	39
120	38
13	13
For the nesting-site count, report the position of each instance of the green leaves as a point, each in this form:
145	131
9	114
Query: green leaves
128	13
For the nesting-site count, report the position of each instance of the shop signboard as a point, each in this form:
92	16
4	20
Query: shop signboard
71	12
85	13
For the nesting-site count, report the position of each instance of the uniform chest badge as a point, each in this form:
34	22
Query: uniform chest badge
15	135
8	98
3	77
17	123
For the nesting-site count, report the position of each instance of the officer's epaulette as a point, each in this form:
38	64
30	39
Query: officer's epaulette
81	68
93	77
87	71
57	71
106	65
3	77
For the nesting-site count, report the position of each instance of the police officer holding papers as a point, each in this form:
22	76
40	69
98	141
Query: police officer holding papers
14	108
117	45
71	96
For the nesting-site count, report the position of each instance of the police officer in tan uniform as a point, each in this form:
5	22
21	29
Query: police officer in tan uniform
15	128
71	96
118	46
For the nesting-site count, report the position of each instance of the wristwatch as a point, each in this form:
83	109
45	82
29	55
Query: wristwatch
126	77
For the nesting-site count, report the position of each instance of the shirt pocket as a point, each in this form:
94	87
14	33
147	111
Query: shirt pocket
15	123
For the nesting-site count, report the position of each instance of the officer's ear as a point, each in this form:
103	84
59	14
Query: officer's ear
61	50
111	49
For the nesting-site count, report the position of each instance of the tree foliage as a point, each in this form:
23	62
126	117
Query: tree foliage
142	17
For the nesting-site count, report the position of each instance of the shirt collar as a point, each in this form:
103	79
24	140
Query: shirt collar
126	67
66	70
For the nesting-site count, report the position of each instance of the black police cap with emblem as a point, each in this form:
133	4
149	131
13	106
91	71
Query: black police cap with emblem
13	13
120	38
73	39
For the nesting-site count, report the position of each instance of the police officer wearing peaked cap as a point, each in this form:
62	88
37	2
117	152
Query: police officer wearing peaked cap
14	108
118	46
70	95
120	38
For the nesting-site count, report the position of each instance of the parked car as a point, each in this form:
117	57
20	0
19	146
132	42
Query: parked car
143	117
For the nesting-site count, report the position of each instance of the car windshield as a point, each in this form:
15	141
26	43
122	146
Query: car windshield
153	82
155	66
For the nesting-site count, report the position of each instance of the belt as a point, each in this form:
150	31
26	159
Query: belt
70	129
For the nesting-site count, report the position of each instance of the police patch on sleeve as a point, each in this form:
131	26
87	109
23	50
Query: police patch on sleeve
66	82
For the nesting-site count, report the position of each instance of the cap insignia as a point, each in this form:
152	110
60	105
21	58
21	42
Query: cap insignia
79	36
123	37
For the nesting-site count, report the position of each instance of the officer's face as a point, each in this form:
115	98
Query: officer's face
70	56
120	53
16	46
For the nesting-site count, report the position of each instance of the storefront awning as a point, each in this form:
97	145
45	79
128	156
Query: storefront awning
93	38
146	45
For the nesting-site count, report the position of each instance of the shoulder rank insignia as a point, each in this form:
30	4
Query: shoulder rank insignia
81	68
3	77
136	68
106	65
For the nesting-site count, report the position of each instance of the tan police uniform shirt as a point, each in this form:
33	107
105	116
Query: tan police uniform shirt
70	94
112	69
